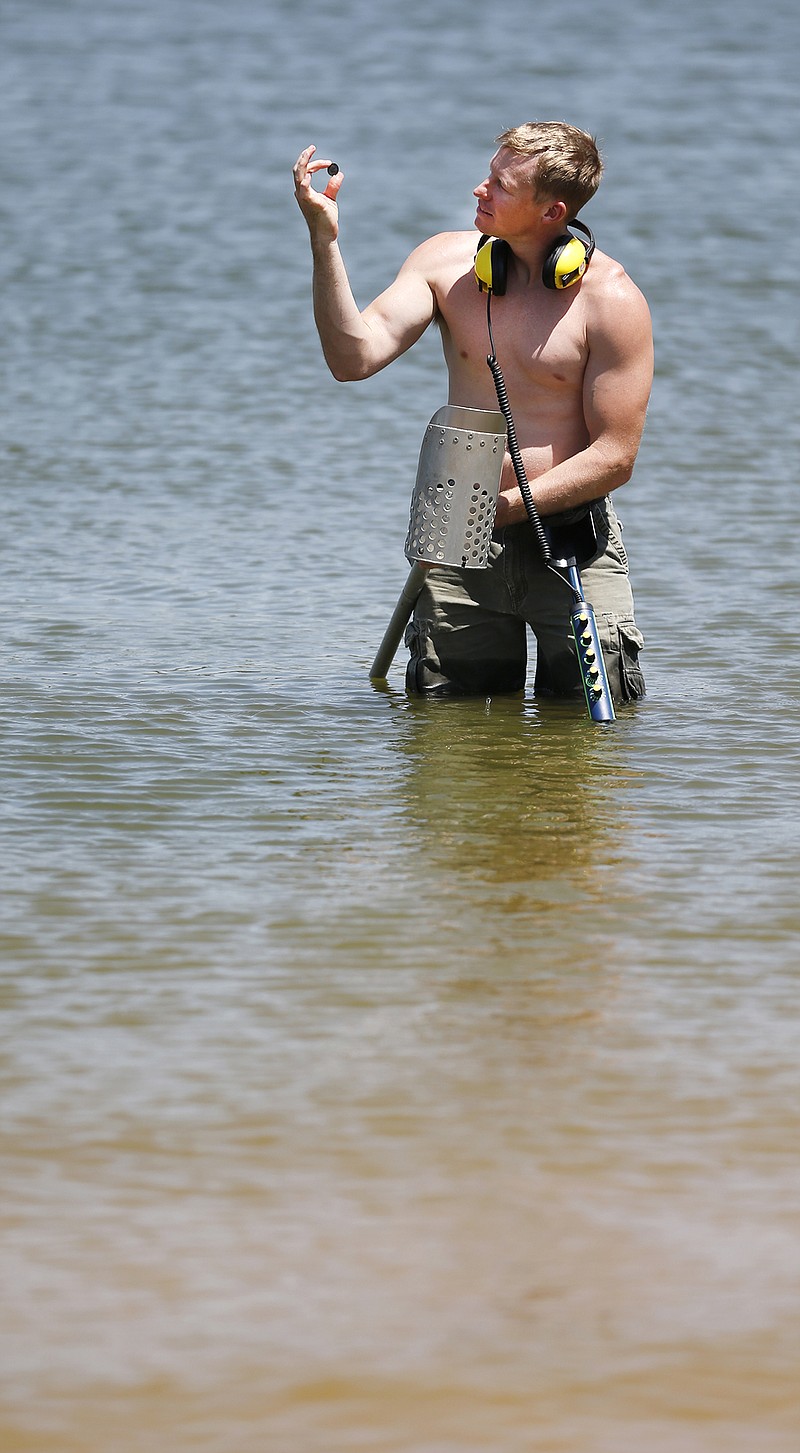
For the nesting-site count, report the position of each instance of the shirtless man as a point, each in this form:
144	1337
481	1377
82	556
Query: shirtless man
578	364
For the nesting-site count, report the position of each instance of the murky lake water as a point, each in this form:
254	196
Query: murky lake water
378	1074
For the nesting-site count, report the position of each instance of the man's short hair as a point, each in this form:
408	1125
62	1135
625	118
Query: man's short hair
568	162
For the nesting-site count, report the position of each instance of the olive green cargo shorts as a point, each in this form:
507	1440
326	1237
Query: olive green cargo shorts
468	635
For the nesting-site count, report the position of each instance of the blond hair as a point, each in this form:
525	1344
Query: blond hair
568	162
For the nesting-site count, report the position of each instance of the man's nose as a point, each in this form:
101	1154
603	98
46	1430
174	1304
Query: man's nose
480	190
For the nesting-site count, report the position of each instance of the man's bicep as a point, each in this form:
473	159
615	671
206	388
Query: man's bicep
619	378
400	315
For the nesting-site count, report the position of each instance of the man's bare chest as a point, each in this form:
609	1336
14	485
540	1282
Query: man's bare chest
537	340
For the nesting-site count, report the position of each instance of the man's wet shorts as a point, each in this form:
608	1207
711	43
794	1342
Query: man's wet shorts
469	633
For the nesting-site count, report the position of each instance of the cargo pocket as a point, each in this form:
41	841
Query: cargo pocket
622	641
424	670
631	641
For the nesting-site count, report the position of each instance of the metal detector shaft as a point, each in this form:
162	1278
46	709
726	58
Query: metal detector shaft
400	618
584	627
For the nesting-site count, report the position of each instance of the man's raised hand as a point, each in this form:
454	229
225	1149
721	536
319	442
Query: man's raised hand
320	209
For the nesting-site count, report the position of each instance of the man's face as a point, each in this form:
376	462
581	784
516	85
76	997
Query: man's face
507	205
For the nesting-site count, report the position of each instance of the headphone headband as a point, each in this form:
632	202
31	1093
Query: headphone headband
565	264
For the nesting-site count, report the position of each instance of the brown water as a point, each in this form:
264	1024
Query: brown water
381	1075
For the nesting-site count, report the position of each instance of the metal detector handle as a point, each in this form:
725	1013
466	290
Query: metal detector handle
590	653
400	618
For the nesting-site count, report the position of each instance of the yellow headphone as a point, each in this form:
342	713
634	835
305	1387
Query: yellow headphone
565	264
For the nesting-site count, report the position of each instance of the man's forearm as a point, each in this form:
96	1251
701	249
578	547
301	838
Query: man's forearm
343	333
589	475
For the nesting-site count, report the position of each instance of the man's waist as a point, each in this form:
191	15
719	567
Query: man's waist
565	518
571	534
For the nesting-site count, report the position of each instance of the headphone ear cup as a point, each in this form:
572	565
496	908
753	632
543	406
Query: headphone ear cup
565	263
499	267
551	261
491	265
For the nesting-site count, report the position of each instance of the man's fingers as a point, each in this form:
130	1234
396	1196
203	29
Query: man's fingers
300	168
304	169
332	189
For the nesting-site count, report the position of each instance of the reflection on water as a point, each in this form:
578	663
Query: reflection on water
479	770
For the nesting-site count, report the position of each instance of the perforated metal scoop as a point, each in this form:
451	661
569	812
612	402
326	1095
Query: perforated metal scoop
455	495
452	507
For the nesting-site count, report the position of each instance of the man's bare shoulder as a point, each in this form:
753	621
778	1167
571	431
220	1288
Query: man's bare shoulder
444	251
610	285
618	324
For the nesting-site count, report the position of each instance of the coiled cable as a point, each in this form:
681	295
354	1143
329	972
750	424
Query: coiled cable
514	450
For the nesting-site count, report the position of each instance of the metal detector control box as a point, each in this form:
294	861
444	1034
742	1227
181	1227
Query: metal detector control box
455	495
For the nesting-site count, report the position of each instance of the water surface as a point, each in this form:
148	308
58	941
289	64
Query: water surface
380	1074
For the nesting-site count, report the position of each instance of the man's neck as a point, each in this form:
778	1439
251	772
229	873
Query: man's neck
527	258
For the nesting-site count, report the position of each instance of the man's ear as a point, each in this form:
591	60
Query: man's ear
556	212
